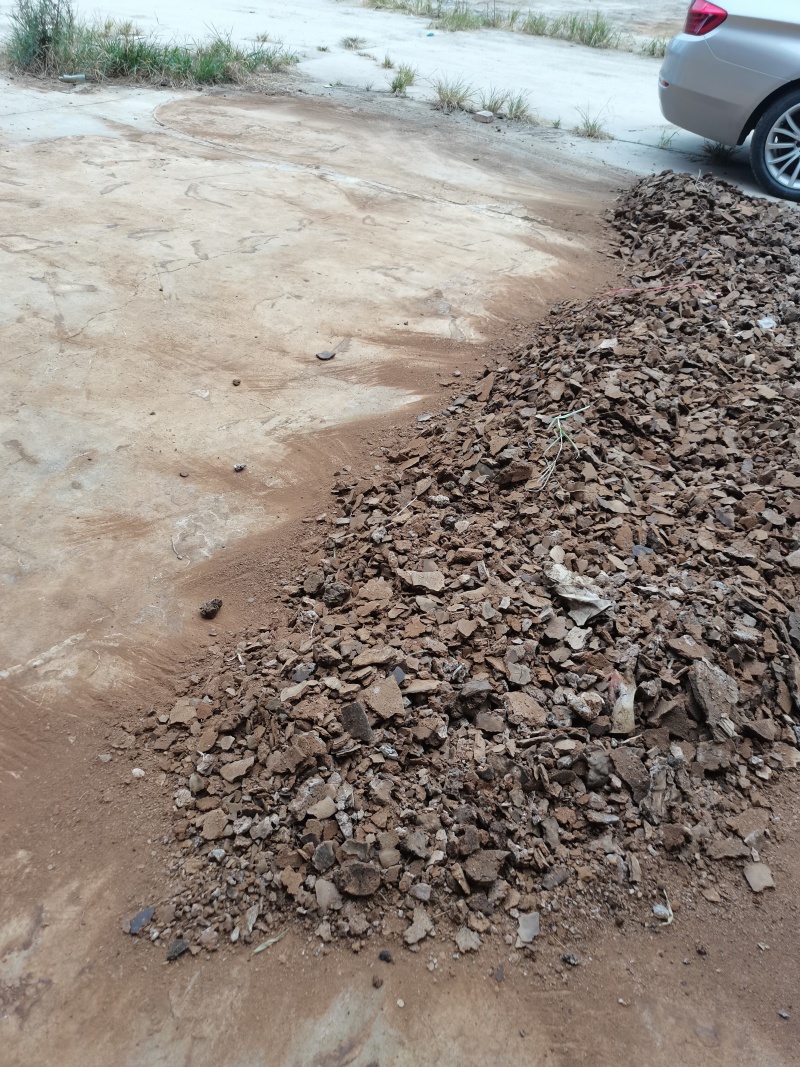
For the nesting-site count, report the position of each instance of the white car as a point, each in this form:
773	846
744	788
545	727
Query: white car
735	70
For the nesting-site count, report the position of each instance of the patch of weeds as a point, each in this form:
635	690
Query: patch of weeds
557	124
595	31
262	38
368	87
493	100
518	108
352	44
367	55
717	152
657	47
323	48
666	139
46	38
459	17
388	63
512	18
424	8
403	79
535	24
590	126
452	94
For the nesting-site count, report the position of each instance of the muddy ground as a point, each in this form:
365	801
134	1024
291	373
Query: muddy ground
167	246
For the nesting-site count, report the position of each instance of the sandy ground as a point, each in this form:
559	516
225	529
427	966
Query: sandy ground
160	246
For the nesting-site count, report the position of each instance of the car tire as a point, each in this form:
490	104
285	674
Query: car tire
773	145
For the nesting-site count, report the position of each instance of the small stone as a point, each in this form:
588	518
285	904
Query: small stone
139	921
335	594
214	824
759	877
324	857
555	877
483	116
385	698
385	956
482	868
527	928
209	939
420	927
210	608
421	891
467	940
424	581
177	949
355	721
137	772
359	879
327	895
324	933
489	722
323	809
324	357
238	769
377	981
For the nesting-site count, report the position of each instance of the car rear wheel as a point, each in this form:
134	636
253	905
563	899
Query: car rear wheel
775	150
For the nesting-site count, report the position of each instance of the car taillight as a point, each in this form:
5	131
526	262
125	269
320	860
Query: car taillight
704	17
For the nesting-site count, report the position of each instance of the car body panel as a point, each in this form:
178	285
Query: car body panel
716	82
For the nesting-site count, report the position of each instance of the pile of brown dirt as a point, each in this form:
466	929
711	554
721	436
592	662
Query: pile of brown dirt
548	650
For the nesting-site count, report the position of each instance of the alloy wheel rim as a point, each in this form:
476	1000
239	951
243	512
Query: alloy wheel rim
782	149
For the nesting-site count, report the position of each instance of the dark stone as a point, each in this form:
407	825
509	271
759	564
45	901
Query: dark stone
555	877
324	857
359	879
210	608
335	594
177	948
140	920
355	721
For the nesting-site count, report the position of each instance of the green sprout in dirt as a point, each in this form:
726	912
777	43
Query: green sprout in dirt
388	63
561	436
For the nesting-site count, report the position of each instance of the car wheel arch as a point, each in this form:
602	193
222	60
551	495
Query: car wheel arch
765	104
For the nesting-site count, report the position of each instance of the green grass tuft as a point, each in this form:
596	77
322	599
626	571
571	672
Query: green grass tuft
590	126
405	77
717	152
452	94
657	47
46	38
518	108
353	44
493	100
